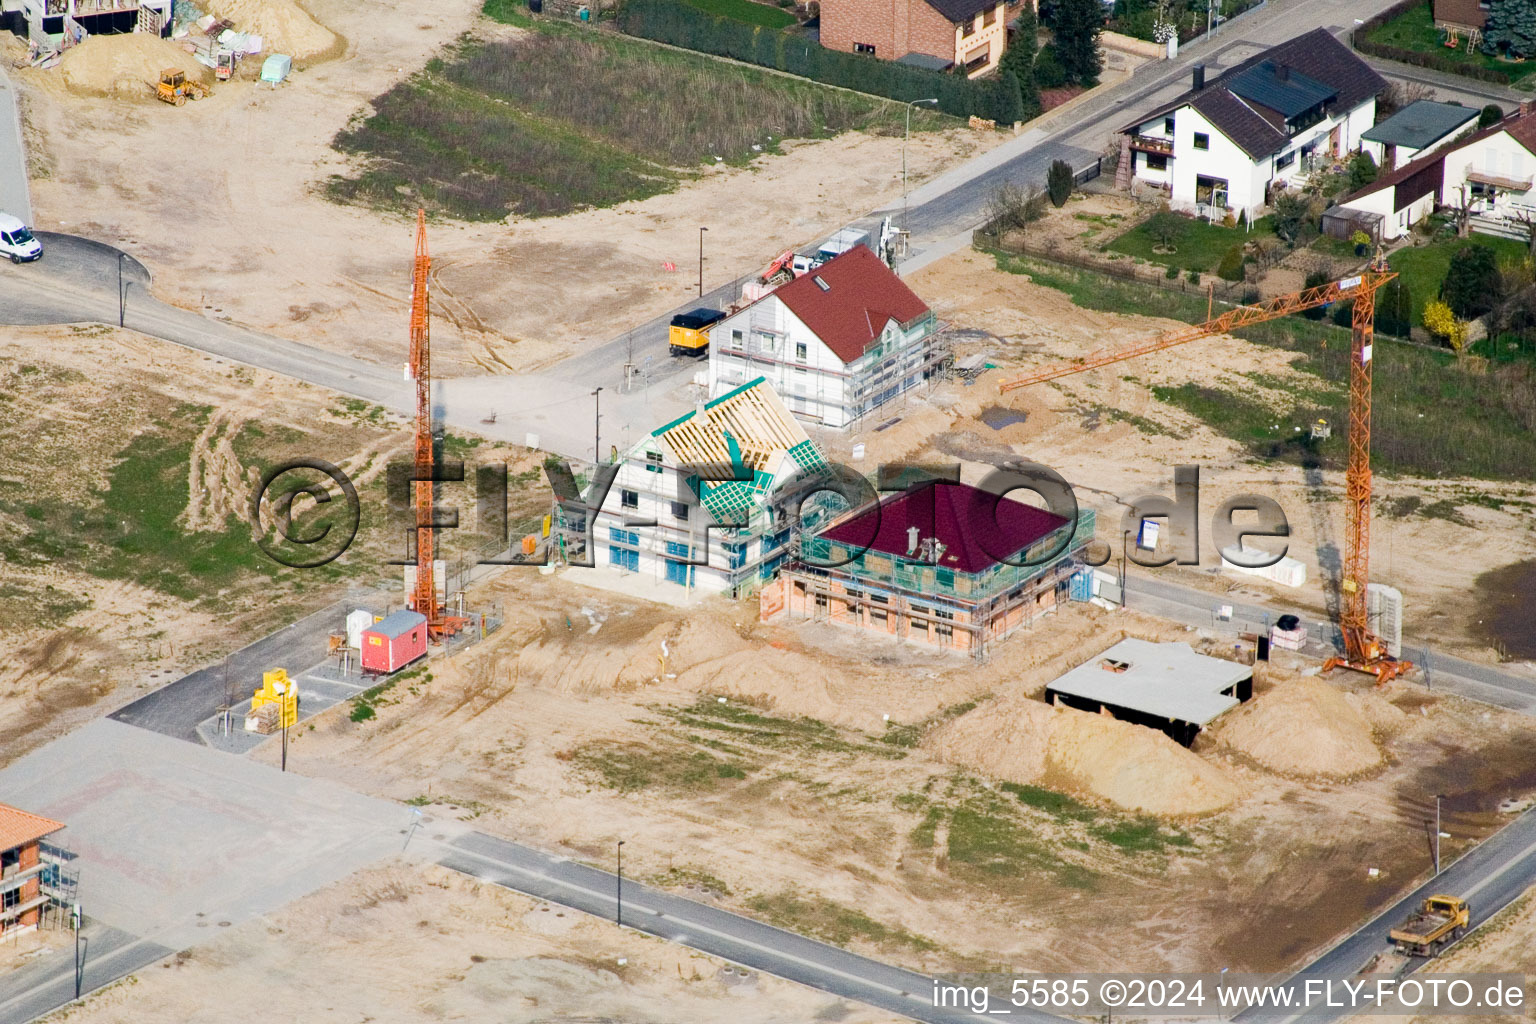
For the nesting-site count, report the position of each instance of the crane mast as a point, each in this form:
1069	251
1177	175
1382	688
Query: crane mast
424	598
1363	650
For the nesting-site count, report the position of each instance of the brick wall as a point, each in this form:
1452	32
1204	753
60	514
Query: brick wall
894	28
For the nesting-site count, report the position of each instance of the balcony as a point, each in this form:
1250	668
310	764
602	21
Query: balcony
1152	144
1497	181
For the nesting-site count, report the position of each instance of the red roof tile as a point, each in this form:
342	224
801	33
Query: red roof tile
18	828
960	516
848	300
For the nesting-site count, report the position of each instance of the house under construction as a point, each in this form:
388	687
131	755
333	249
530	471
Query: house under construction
60	24
36	875
941	563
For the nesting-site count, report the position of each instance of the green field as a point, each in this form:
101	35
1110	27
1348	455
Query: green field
1423	267
1434	415
565	118
1415	30
1200	246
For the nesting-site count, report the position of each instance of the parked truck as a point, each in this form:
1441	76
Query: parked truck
1438	922
689	333
877	241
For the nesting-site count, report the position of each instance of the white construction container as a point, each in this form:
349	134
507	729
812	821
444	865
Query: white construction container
358	621
1287	572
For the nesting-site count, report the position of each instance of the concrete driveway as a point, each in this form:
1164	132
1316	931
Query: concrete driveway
15	198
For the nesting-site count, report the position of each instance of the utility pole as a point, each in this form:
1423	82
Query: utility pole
597	419
905	229
701	260
618	892
1438	798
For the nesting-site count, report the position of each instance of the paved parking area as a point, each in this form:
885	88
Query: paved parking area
175	838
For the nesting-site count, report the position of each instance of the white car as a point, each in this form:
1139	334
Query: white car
17	242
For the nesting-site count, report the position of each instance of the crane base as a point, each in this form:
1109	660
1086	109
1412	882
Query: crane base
445	627
1384	669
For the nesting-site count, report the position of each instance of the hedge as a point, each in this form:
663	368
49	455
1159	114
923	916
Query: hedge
1433	61
679	24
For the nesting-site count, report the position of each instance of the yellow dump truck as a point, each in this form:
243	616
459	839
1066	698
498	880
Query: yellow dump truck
689	335
1438	922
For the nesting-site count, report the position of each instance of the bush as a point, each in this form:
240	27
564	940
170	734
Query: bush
1443	324
1317	277
1362	171
680	24
1193	277
1231	266
1490	115
1471	285
1058	183
1394	309
1292	212
1049	74
1171	273
1344	313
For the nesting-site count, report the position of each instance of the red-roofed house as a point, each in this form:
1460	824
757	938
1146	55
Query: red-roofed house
942	563
835	343
21	868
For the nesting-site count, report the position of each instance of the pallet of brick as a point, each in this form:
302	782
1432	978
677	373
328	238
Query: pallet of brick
264	720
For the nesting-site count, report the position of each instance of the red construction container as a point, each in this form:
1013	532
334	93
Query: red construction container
394	642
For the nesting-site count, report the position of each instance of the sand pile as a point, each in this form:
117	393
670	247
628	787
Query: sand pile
1303	727
283	25
125	66
1020	739
1134	767
1006	739
1386	718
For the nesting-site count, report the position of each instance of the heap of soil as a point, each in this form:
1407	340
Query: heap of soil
1020	739
283	25
1303	727
125	66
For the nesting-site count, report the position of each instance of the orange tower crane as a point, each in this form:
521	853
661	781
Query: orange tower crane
424	599
1363	650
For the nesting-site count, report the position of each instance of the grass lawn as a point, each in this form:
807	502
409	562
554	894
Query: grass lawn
1423	267
1415	30
563	118
747	11
1200	247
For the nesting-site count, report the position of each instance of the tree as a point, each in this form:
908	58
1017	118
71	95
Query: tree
1471	285
1019	59
1444	324
1165	228
1394	309
1007	108
1077	27
1058	183
1012	207
1490	115
1291	213
1511	29
1398	95
1362	171
1231	266
1049	74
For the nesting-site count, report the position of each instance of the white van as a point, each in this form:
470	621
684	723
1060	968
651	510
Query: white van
17	242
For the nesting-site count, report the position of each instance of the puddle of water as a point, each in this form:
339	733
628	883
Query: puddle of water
997	417
1506	601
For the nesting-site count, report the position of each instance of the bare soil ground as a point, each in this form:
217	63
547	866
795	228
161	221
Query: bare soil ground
221	199
1113	441
796	800
400	944
100	591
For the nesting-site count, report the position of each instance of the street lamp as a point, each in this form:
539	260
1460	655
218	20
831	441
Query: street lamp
122	296
905	136
701	260
597	419
1438	798
75	915
618	892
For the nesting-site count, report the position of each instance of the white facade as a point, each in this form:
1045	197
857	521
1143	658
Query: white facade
1209	174
768	340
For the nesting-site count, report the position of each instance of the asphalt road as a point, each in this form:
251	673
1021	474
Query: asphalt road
730	936
107	954
15	197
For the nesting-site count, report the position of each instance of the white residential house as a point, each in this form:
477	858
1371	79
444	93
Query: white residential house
668	506
1226	146
1490	172
836	343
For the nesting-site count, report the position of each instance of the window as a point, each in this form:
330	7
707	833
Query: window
1155	161
5	237
800	351
629	499
619	536
624	559
868	48
968	29
989	18
735	339
680	511
1285	160
677	550
1202	140
821	283
764	342
737	555
653	462
1168	127
679	572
